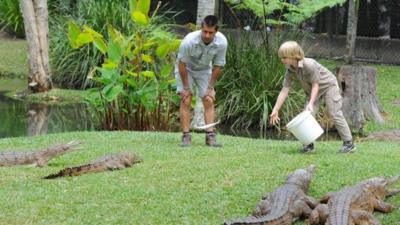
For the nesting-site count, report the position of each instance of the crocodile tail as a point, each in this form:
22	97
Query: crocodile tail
55	175
60	149
73	171
263	220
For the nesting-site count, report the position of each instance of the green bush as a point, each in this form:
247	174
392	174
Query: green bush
134	77
12	22
71	66
11	19
251	82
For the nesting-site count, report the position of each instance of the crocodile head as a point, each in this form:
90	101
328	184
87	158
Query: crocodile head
301	177
379	186
129	159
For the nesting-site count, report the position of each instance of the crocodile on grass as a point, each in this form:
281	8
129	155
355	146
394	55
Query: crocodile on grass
39	158
107	162
284	205
354	205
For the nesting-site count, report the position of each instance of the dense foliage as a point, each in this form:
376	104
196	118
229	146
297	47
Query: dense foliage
134	77
71	66
251	82
284	12
11	19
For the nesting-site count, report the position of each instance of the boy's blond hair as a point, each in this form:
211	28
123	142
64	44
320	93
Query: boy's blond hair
291	49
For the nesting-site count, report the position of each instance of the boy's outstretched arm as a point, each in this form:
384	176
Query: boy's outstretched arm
313	96
274	116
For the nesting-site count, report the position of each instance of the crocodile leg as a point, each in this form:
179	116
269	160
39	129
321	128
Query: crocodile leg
300	208
312	202
40	162
361	217
319	215
382	206
393	180
326	197
393	192
262	208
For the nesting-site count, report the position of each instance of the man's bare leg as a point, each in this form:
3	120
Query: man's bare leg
209	114
184	111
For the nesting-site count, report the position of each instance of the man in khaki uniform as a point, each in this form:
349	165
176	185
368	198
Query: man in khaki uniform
318	83
200	59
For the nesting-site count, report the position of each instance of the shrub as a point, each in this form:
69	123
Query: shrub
11	19
71	66
134	77
250	84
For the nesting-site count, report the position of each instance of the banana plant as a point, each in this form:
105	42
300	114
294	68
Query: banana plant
135	76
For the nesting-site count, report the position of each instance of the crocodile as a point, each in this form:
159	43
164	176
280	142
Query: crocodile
107	162
355	204
38	158
284	205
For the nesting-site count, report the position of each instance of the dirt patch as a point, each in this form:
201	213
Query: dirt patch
392	135
396	102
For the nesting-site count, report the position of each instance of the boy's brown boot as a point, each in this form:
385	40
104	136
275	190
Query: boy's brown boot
186	140
211	139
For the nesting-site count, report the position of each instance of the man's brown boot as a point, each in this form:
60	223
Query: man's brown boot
211	140
186	140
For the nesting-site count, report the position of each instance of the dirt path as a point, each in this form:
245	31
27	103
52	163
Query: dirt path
392	135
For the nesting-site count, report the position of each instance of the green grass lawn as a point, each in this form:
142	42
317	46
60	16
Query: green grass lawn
14	59
197	185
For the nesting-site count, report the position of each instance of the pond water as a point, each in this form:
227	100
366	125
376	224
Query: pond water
18	118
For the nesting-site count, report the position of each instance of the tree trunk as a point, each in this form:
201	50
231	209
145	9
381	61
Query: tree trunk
360	102
38	119
36	28
351	30
204	8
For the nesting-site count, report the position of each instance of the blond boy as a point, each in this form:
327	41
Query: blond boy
319	84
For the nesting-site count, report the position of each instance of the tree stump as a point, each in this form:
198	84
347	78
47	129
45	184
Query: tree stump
360	103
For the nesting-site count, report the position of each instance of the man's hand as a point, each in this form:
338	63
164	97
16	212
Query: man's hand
211	93
274	118
185	93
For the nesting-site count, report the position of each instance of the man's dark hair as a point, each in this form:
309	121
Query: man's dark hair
210	21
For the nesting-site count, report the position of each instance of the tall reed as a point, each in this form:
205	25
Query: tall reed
250	83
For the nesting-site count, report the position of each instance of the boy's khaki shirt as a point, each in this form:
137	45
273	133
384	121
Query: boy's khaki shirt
310	71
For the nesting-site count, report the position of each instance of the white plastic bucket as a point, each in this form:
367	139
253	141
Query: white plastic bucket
305	128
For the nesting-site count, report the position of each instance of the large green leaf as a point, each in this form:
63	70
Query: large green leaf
73	33
143	6
166	71
163	50
109	64
140	18
132	5
111	92
84	38
100	44
114	51
149	96
148	74
108	73
147	58
91	31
